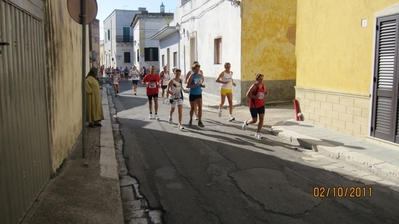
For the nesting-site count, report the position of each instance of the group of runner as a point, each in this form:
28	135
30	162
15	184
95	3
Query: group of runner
172	93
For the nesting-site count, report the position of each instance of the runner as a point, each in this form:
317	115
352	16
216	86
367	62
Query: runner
116	78
165	77
185	81
226	89
151	81
256	104
135	78
175	89
195	84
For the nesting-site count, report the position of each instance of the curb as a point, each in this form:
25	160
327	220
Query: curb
380	168
108	163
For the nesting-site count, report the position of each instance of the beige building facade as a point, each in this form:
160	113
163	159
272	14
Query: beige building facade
268	42
347	66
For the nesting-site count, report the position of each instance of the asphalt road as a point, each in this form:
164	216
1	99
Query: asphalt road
222	174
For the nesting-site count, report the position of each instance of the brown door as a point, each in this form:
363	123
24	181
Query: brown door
385	98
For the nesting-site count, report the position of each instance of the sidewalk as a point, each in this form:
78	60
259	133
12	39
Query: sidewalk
81	193
380	160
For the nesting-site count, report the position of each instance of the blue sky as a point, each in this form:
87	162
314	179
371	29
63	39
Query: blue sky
106	7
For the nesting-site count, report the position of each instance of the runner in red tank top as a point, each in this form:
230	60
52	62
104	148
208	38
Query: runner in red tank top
256	104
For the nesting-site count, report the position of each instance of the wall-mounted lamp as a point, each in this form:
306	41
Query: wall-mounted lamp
236	2
177	27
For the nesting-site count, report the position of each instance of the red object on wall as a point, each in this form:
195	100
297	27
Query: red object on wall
297	110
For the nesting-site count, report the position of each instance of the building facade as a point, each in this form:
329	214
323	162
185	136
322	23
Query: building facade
210	33
268	38
95	43
45	108
118	39
347	66
169	38
145	25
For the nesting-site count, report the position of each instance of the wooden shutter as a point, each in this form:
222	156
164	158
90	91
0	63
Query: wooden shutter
385	105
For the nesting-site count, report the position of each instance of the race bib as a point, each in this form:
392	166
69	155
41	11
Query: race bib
261	95
152	85
198	81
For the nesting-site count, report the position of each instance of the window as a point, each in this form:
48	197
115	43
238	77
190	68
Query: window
138	55
218	51
151	54
109	34
126	34
126	57
174	59
163	60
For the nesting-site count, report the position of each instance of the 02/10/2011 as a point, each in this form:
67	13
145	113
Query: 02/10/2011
343	192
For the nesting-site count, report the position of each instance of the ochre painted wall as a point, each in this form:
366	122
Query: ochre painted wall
268	45
334	52
64	72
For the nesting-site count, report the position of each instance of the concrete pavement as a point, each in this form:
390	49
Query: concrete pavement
381	160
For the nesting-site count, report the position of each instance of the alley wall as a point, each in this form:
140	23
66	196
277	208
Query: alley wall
64	70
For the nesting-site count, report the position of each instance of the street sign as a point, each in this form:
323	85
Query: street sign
74	9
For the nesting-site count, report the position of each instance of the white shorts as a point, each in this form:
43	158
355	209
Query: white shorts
174	102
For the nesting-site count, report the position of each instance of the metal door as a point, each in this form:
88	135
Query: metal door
24	131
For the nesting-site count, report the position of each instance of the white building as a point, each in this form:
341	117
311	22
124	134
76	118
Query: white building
210	33
118	39
169	38
145	25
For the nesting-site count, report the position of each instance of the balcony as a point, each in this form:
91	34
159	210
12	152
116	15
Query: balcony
125	39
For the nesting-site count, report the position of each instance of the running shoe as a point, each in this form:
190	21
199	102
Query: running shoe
200	124
170	120
258	135
180	127
190	122
231	118
196	118
220	113
244	126
156	117
150	116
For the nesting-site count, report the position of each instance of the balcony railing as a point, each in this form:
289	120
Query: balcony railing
124	38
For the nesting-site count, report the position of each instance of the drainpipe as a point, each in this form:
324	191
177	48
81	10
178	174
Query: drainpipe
83	15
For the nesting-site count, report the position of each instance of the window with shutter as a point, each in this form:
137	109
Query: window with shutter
151	54
385	99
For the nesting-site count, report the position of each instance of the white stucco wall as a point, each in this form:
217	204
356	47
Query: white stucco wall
172	43
206	20
113	49
145	28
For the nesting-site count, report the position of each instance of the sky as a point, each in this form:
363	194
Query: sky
106	7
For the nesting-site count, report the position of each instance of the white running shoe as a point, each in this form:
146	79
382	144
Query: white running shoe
170	120
180	127
220	113
196	118
156	117
151	117
258	135
244	126
231	118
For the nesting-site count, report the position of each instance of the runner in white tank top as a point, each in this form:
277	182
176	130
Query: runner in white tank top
165	77
226	89
175	89
135	78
